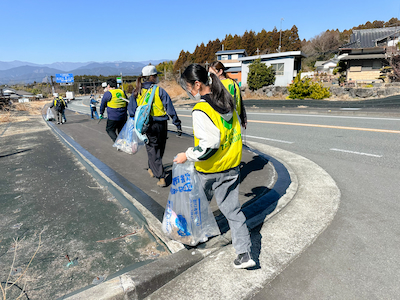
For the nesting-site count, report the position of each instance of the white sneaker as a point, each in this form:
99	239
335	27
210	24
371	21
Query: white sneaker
244	261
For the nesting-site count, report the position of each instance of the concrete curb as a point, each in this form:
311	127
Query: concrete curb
278	242
145	280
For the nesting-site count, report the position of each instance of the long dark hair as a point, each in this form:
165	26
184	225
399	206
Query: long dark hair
217	65
219	94
138	88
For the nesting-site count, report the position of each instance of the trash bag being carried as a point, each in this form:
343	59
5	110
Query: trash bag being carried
127	139
50	115
188	217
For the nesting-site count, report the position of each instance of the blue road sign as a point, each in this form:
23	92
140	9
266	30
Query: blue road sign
64	78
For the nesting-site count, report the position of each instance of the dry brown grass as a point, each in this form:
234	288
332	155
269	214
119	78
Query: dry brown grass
28	109
173	89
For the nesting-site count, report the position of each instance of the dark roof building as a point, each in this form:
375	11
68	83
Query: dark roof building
370	38
367	53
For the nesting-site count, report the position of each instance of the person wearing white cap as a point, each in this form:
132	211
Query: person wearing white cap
162	109
113	100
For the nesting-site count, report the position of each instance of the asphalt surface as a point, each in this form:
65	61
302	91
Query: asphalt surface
49	197
258	172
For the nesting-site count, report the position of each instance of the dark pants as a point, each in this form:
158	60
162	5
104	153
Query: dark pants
157	135
93	112
61	116
114	127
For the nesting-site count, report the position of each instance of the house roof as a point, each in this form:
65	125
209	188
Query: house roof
24	93
234	69
243	51
274	55
365	56
367	38
319	63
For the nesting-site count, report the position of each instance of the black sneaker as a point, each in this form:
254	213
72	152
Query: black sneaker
244	261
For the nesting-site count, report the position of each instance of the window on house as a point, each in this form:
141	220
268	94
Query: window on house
229	57
219	57
224	57
279	69
376	64
367	65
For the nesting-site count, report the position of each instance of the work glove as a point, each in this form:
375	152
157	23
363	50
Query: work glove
179	130
101	117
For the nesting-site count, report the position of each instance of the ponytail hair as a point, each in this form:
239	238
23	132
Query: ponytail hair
217	65
138	88
219	94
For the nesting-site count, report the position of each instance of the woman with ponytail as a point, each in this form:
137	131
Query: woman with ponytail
218	69
217	152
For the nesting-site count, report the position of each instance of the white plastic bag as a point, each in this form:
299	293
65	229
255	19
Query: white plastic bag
188	217
49	115
127	139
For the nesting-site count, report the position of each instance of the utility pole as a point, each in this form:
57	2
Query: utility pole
280	37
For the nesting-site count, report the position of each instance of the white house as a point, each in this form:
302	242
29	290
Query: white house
285	64
230	60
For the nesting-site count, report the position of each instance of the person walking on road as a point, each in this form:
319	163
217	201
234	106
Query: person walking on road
116	108
93	110
217	152
59	106
218	69
162	107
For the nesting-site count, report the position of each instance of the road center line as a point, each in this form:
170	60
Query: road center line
354	152
326	126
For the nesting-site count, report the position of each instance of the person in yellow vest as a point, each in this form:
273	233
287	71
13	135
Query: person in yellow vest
162	107
217	152
218	68
116	108
59	105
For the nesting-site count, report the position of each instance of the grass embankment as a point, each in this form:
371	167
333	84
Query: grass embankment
19	112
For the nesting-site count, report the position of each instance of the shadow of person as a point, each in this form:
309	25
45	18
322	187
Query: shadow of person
256	237
256	164
168	173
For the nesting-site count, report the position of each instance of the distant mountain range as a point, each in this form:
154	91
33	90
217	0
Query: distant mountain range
25	72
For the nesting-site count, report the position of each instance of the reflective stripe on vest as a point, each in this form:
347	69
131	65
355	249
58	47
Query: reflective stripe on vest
157	109
229	153
234	90
115	101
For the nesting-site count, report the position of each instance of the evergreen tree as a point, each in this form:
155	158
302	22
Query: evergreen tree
260	75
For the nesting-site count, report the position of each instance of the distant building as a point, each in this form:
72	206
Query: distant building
367	52
230	59
286	65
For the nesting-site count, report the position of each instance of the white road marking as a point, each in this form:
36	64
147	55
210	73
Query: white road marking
250	136
355	152
268	139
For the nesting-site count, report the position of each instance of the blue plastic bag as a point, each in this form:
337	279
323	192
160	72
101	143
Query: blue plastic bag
127	139
188	218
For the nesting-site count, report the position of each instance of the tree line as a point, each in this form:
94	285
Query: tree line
321	47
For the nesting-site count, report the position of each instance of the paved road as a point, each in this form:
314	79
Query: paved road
357	257
46	191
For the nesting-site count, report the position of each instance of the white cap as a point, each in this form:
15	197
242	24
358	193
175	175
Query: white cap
55	95
104	85
149	70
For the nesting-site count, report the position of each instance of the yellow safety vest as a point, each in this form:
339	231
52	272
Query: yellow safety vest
59	98
234	90
157	108
229	153
116	101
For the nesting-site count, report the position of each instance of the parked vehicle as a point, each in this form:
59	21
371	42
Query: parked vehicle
70	96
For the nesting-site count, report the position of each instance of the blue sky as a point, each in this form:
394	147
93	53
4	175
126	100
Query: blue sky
41	32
